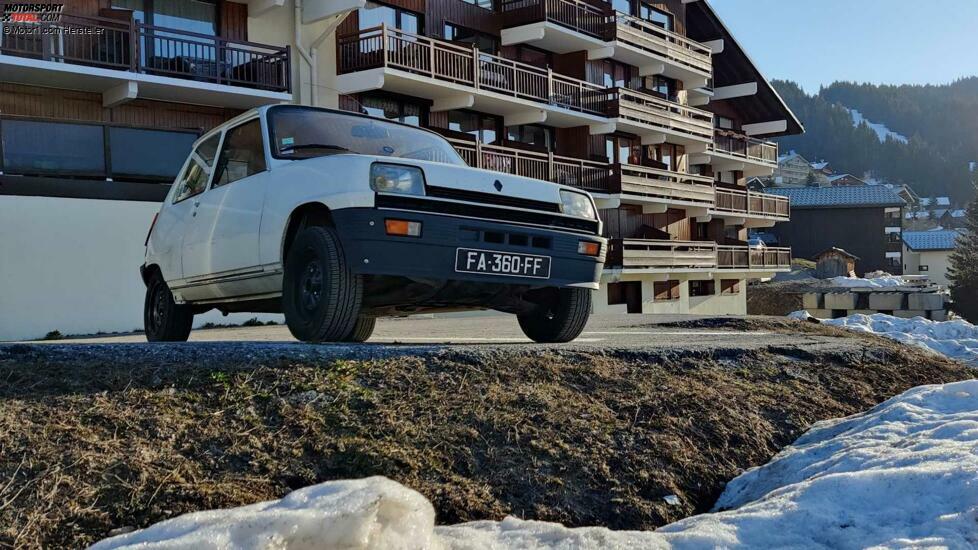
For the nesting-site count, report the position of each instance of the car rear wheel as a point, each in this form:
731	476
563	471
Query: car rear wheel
163	319
320	295
363	330
560	317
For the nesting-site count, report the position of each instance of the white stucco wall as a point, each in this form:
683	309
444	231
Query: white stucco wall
72	265
717	304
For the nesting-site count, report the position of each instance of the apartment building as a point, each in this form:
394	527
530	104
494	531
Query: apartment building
651	106
100	101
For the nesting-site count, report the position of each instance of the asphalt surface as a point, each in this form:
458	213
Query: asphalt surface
426	333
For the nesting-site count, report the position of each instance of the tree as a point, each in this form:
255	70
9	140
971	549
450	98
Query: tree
963	270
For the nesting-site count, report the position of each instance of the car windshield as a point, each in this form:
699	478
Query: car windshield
300	133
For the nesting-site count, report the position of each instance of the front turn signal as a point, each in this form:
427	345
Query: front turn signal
403	228
589	248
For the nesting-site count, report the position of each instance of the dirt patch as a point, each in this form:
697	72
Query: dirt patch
781	297
89	444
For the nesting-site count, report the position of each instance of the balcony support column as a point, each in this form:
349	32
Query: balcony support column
117	95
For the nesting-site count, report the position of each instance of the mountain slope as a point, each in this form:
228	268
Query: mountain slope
939	123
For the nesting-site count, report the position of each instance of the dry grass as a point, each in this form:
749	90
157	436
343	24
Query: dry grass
581	438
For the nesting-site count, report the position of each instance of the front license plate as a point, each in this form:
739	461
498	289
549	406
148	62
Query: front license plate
471	260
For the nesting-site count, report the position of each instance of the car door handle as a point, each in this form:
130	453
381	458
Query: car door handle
196	203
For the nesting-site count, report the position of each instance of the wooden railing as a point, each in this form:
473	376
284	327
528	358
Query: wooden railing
753	258
653	111
386	47
573	14
136	47
748	202
665	184
654	39
745	147
661	254
587	175
705	255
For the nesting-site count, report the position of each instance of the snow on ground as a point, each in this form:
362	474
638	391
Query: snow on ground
882	132
884	281
957	339
904	474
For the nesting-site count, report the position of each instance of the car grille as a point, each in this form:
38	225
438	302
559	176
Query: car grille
489	198
436	206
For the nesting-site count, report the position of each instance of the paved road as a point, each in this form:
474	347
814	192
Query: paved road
603	331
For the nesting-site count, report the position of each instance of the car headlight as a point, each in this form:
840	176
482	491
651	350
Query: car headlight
396	178
576	204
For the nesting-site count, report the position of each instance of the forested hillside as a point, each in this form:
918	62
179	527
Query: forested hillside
940	122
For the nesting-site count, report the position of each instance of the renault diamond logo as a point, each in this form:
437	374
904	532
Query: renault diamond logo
498	185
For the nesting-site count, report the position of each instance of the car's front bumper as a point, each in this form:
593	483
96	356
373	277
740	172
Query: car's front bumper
372	251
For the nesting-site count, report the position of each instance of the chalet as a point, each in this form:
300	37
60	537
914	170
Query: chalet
838	180
834	262
927	253
866	221
792	169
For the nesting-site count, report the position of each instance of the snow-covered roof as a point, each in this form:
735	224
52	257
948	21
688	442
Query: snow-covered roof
789	156
839	197
941	201
819	165
959	213
838	177
930	240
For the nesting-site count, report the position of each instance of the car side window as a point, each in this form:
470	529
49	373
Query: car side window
194	180
242	155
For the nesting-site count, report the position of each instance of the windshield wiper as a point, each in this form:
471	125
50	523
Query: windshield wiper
301	146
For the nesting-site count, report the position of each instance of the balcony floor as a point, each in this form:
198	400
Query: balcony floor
51	74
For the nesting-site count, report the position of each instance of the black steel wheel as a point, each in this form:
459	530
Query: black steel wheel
559	318
320	296
163	319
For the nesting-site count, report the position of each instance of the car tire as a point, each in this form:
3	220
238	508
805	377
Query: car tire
163	319
320	295
561	319
362	331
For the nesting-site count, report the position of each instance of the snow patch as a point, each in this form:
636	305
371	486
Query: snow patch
884	281
904	474
957	339
882	132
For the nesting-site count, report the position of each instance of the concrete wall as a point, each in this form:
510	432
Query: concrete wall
72	265
937	262
718	304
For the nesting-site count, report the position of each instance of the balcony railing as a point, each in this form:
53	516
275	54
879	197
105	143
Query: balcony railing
694	255
656	40
746	202
649	110
383	47
135	47
573	14
664	184
745	147
587	175
753	258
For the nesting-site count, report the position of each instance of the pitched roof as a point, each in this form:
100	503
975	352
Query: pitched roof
839	197
930	240
836	250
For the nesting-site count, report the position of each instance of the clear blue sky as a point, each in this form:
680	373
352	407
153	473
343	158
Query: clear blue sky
816	42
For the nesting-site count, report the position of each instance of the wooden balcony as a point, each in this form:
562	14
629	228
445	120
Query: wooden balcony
679	256
584	174
662	255
671	47
729	144
134	47
665	186
751	204
574	15
445	62
744	258
642	114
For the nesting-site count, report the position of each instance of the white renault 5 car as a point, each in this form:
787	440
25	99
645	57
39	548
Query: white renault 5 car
335	219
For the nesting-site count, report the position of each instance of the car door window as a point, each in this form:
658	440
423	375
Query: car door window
194	180
242	154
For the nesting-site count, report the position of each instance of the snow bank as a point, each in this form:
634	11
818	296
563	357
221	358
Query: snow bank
957	339
885	281
902	474
882	132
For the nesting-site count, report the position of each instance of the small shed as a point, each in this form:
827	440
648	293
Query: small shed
835	262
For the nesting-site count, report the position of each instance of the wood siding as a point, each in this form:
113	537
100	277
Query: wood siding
628	221
232	17
859	231
58	104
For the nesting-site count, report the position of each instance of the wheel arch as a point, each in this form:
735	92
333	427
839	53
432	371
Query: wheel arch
147	272
310	214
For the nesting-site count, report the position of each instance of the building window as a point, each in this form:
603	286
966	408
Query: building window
529	55
149	154
923	268
483	127
485	43
666	291
723	122
32	147
894	237
662	87
531	134
612	74
374	15
392	108
729	287
485	4
656	17
629	293
702	288
663	156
